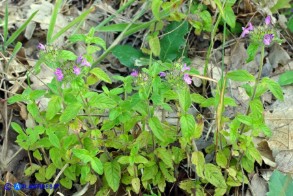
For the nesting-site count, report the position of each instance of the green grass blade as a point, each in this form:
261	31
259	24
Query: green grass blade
18	31
53	21
15	51
6	23
71	24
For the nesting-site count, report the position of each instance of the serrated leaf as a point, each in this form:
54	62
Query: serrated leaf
127	55
55	157
50	171
66	55
187	123
113	174
154	43
184	99
16	98
31	169
171	49
135	182
17	128
280	184
166	173
251	51
70	112
149	172
101	101
274	87
287	77
165	156
157	128
97	165
66	182
82	154
54	106
77	37
197	158
54	140
99	73
36	94
244	119
214	175
221	159
240	76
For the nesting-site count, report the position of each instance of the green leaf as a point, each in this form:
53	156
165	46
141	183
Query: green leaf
97	165
113	174
240	76
171	49
127	55
16	98
184	99
156	4
99	73
230	17
290	24
53	21
66	182
70	112
54	140
221	159
37	155
36	94
50	171
17	128
34	111
165	156
169	176
149	172
140	159
157	128
244	119
5	27
54	106
101	101
253	152
286	78
207	20
135	182
251	51
55	157
280	184
66	55
274	87
77	37
70	172
19	30
197	158
154	43
82	154
280	4
31	169
187	123
214	175
197	98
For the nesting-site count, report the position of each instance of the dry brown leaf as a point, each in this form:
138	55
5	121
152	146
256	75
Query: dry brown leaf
259	186
284	159
238	56
278	56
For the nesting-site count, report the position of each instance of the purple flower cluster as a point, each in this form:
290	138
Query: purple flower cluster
267	38
41	47
186	76
81	60
134	73
59	74
246	30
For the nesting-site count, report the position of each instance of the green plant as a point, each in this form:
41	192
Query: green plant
116	137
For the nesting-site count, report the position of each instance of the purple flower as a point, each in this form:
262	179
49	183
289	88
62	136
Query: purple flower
246	30
268	20
185	68
134	73
162	74
41	47
187	79
268	39
84	62
59	74
76	70
79	59
250	26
